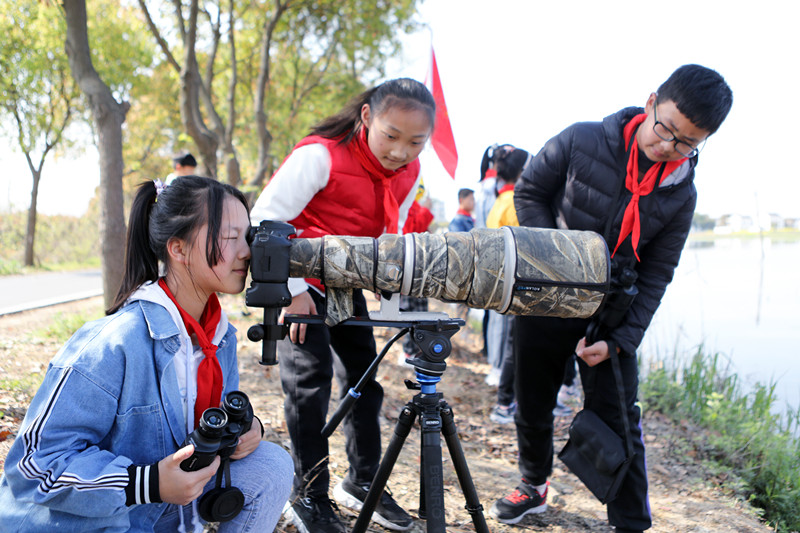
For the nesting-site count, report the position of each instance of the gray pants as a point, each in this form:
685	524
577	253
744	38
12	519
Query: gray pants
265	479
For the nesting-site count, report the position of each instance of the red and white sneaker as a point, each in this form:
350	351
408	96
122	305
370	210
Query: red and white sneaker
523	501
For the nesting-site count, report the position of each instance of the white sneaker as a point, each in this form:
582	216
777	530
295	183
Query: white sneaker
493	377
503	414
561	410
402	359
568	394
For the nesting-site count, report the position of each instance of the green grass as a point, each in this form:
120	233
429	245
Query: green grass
64	325
27	384
58	331
61	243
744	435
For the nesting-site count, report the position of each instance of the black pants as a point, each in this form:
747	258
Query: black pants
306	373
542	346
411	304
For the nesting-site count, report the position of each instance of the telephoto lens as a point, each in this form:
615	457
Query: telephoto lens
206	439
514	270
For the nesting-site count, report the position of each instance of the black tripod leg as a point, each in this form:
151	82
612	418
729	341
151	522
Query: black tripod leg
401	430
431	467
473	506
422	513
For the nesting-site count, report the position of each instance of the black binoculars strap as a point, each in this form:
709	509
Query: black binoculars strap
224	470
621	393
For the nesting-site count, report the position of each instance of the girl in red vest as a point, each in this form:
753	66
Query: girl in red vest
356	174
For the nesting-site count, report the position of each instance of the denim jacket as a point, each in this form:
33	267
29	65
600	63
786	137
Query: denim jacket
110	398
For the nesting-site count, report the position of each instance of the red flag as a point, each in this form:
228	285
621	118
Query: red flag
442	139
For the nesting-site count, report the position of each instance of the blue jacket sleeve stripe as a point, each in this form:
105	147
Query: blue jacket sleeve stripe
31	470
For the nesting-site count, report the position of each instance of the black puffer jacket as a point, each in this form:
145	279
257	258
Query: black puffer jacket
573	183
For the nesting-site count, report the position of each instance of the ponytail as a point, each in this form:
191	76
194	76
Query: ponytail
486	161
404	93
346	122
141	264
509	162
506	160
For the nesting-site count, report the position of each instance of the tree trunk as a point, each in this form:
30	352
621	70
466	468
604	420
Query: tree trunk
191	88
109	115
30	231
260	99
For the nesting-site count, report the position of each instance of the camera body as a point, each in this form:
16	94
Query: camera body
218	434
269	272
269	264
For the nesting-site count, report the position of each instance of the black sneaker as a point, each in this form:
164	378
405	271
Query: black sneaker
313	515
387	512
524	500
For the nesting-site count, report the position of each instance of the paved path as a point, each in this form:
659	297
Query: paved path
30	291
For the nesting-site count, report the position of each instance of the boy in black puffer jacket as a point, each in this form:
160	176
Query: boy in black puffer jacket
629	178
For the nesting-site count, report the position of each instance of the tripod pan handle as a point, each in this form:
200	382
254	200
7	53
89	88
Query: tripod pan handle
340	413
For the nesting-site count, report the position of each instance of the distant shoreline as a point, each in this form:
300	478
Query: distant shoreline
774	235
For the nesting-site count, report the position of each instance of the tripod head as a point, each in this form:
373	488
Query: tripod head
430	332
433	341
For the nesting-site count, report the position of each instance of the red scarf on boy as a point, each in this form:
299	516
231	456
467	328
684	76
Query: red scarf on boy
630	221
209	373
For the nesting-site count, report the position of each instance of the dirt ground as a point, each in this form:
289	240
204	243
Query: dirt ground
684	496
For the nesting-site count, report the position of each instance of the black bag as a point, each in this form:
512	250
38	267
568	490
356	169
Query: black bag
595	453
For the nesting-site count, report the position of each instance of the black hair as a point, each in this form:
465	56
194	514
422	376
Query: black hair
463	193
507	161
185	160
405	93
701	94
177	211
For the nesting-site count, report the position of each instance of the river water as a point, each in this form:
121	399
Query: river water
739	298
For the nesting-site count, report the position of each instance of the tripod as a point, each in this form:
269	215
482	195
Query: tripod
435	417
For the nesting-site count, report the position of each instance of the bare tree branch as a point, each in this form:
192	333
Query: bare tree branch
259	104
162	43
179	15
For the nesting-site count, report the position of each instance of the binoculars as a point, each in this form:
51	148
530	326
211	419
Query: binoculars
218	434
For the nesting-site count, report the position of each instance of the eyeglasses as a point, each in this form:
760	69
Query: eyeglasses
665	134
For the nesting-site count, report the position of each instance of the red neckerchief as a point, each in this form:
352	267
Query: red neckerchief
374	168
491	173
630	221
464	212
505	188
209	373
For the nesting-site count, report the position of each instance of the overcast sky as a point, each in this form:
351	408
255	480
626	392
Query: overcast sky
520	71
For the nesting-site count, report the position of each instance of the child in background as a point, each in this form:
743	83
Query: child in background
508	162
183	164
101	444
485	195
463	220
356	174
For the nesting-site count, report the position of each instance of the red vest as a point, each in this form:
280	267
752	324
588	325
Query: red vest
352	201
419	219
